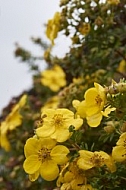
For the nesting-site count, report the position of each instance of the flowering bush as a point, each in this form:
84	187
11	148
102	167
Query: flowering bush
68	131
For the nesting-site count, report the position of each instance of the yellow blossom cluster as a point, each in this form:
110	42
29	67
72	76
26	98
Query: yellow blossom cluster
48	147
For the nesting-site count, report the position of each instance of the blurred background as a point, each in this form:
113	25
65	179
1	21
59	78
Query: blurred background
19	21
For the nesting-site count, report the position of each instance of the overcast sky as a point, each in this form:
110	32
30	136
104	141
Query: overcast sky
19	21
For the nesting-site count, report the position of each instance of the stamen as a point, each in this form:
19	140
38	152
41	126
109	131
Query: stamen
97	160
43	154
58	119
98	100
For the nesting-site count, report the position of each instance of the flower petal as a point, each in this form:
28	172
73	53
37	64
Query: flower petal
33	177
107	111
77	123
32	164
122	139
45	131
59	154
14	120
119	153
94	120
84	164
49	170
84	159
81	110
90	96
31	147
61	135
48	143
4	142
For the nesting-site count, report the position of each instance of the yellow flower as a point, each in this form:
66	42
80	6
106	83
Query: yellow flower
88	160
94	120
84	28
43	157
80	107
94	99
4	142
92	107
54	78
13	120
119	151
53	27
56	124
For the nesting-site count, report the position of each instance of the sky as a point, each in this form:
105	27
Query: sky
19	21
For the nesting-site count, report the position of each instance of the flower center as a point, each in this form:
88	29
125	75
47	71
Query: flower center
58	120
97	160
43	154
54	80
98	100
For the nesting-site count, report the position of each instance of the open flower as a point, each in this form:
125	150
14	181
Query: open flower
13	120
119	151
94	99
56	123
43	157
92	108
53	27
88	160
54	78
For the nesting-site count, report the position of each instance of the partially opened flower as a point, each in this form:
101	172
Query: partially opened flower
54	78
72	177
119	151
88	160
92	107
94	99
53	27
56	124
43	157
80	108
